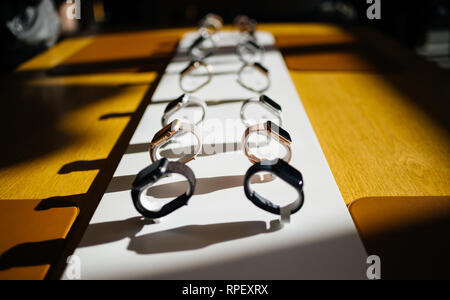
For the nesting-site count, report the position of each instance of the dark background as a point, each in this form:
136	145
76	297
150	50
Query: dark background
405	20
408	22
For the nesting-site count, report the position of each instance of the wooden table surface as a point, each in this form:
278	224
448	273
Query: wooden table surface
379	112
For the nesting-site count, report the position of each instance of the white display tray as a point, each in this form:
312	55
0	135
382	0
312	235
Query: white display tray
221	234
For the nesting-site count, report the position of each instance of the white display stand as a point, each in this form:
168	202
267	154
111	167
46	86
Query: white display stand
221	234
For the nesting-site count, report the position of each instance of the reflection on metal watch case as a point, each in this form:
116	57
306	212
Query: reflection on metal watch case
285	172
174	129
152	174
271	130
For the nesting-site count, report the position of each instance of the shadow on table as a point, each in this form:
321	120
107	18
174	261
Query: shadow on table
369	52
31	117
193	237
207	150
174	189
183	238
338	256
31	254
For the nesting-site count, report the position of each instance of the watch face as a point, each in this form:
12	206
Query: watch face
174	103
166	132
255	45
288	173
270	102
150	174
250	46
192	65
197	42
274	128
261	68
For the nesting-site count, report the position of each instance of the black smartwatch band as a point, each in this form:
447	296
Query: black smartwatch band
285	172
146	179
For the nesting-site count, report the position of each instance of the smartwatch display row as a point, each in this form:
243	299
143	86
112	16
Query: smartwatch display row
163	167
250	53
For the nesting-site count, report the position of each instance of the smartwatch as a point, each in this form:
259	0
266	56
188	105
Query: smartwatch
249	51
261	69
283	171
244	24
181	102
272	131
199	48
212	22
267	103
152	174
168	132
194	65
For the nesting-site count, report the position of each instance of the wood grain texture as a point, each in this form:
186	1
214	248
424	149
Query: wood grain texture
384	131
376	141
31	239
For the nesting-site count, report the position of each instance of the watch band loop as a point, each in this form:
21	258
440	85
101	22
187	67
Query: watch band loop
285	172
180	201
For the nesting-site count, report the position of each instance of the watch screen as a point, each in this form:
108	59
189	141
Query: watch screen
174	103
281	132
164	131
270	102
261	67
